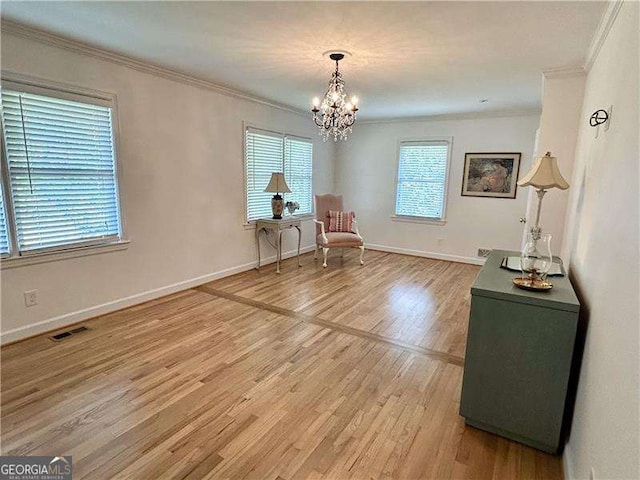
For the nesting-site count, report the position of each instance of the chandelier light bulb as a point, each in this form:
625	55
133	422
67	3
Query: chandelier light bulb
354	100
349	106
316	102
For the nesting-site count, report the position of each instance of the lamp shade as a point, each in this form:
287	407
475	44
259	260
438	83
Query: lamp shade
545	174
277	184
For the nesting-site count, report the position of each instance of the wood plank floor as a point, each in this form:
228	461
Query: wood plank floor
344	372
419	301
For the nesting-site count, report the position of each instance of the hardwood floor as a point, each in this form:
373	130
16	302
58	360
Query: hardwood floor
419	301
344	372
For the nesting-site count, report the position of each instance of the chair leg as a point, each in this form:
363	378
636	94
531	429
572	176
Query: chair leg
325	251
361	254
315	253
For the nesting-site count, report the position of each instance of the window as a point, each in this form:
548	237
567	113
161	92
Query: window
422	179
264	154
4	237
298	165
61	170
267	152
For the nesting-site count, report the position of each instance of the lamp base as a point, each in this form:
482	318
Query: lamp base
277	206
535	284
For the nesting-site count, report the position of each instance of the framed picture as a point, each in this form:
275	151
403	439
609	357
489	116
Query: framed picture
491	175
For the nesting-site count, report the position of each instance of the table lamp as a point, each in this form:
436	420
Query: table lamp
536	258
543	175
277	185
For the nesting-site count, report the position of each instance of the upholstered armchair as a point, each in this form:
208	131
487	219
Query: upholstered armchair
326	239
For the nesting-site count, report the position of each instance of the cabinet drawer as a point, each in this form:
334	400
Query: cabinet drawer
286	226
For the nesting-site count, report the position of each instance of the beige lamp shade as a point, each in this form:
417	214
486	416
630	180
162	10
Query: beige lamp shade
545	174
277	184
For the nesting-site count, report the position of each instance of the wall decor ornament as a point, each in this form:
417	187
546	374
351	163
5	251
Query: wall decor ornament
491	175
598	117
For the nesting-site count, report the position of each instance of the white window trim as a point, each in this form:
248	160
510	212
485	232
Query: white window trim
413	218
251	225
75	252
72	92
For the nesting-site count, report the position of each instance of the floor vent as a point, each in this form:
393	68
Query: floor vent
79	329
62	335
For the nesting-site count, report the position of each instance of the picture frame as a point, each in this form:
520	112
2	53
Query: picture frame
491	175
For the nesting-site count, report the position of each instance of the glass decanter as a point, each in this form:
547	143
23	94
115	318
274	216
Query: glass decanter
535	261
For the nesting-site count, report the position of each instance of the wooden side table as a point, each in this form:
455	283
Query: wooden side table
277	226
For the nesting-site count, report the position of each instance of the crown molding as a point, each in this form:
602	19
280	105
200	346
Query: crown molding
564	72
35	34
602	31
47	38
456	116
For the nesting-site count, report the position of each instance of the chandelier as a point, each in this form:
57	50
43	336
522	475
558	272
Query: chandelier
335	115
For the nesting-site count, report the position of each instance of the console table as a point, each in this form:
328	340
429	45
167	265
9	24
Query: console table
277	226
519	356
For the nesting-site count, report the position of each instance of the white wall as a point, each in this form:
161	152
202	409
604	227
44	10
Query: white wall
181	151
603	234
561	104
366	174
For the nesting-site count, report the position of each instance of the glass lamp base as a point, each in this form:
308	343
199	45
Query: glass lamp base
534	284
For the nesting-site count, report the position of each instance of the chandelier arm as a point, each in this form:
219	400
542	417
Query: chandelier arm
328	123
352	119
315	120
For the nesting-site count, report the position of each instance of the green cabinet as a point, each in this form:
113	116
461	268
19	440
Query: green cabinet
519	355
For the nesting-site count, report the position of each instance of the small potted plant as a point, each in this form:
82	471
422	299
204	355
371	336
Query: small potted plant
292	207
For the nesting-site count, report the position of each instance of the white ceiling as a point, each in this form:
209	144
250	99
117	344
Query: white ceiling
409	59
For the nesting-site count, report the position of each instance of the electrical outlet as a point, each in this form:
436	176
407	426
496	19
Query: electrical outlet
484	252
31	298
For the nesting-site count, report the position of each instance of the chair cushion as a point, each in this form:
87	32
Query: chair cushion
341	221
324	203
340	239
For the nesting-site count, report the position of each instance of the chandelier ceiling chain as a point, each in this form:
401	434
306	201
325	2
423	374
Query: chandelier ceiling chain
335	115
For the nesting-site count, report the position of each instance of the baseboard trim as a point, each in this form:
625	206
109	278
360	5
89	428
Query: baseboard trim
567	466
422	253
55	323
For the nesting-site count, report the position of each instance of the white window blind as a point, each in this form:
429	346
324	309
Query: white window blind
422	176
61	171
267	152
264	153
298	172
4	237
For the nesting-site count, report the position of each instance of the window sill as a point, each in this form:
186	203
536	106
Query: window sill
36	258
306	216
428	221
